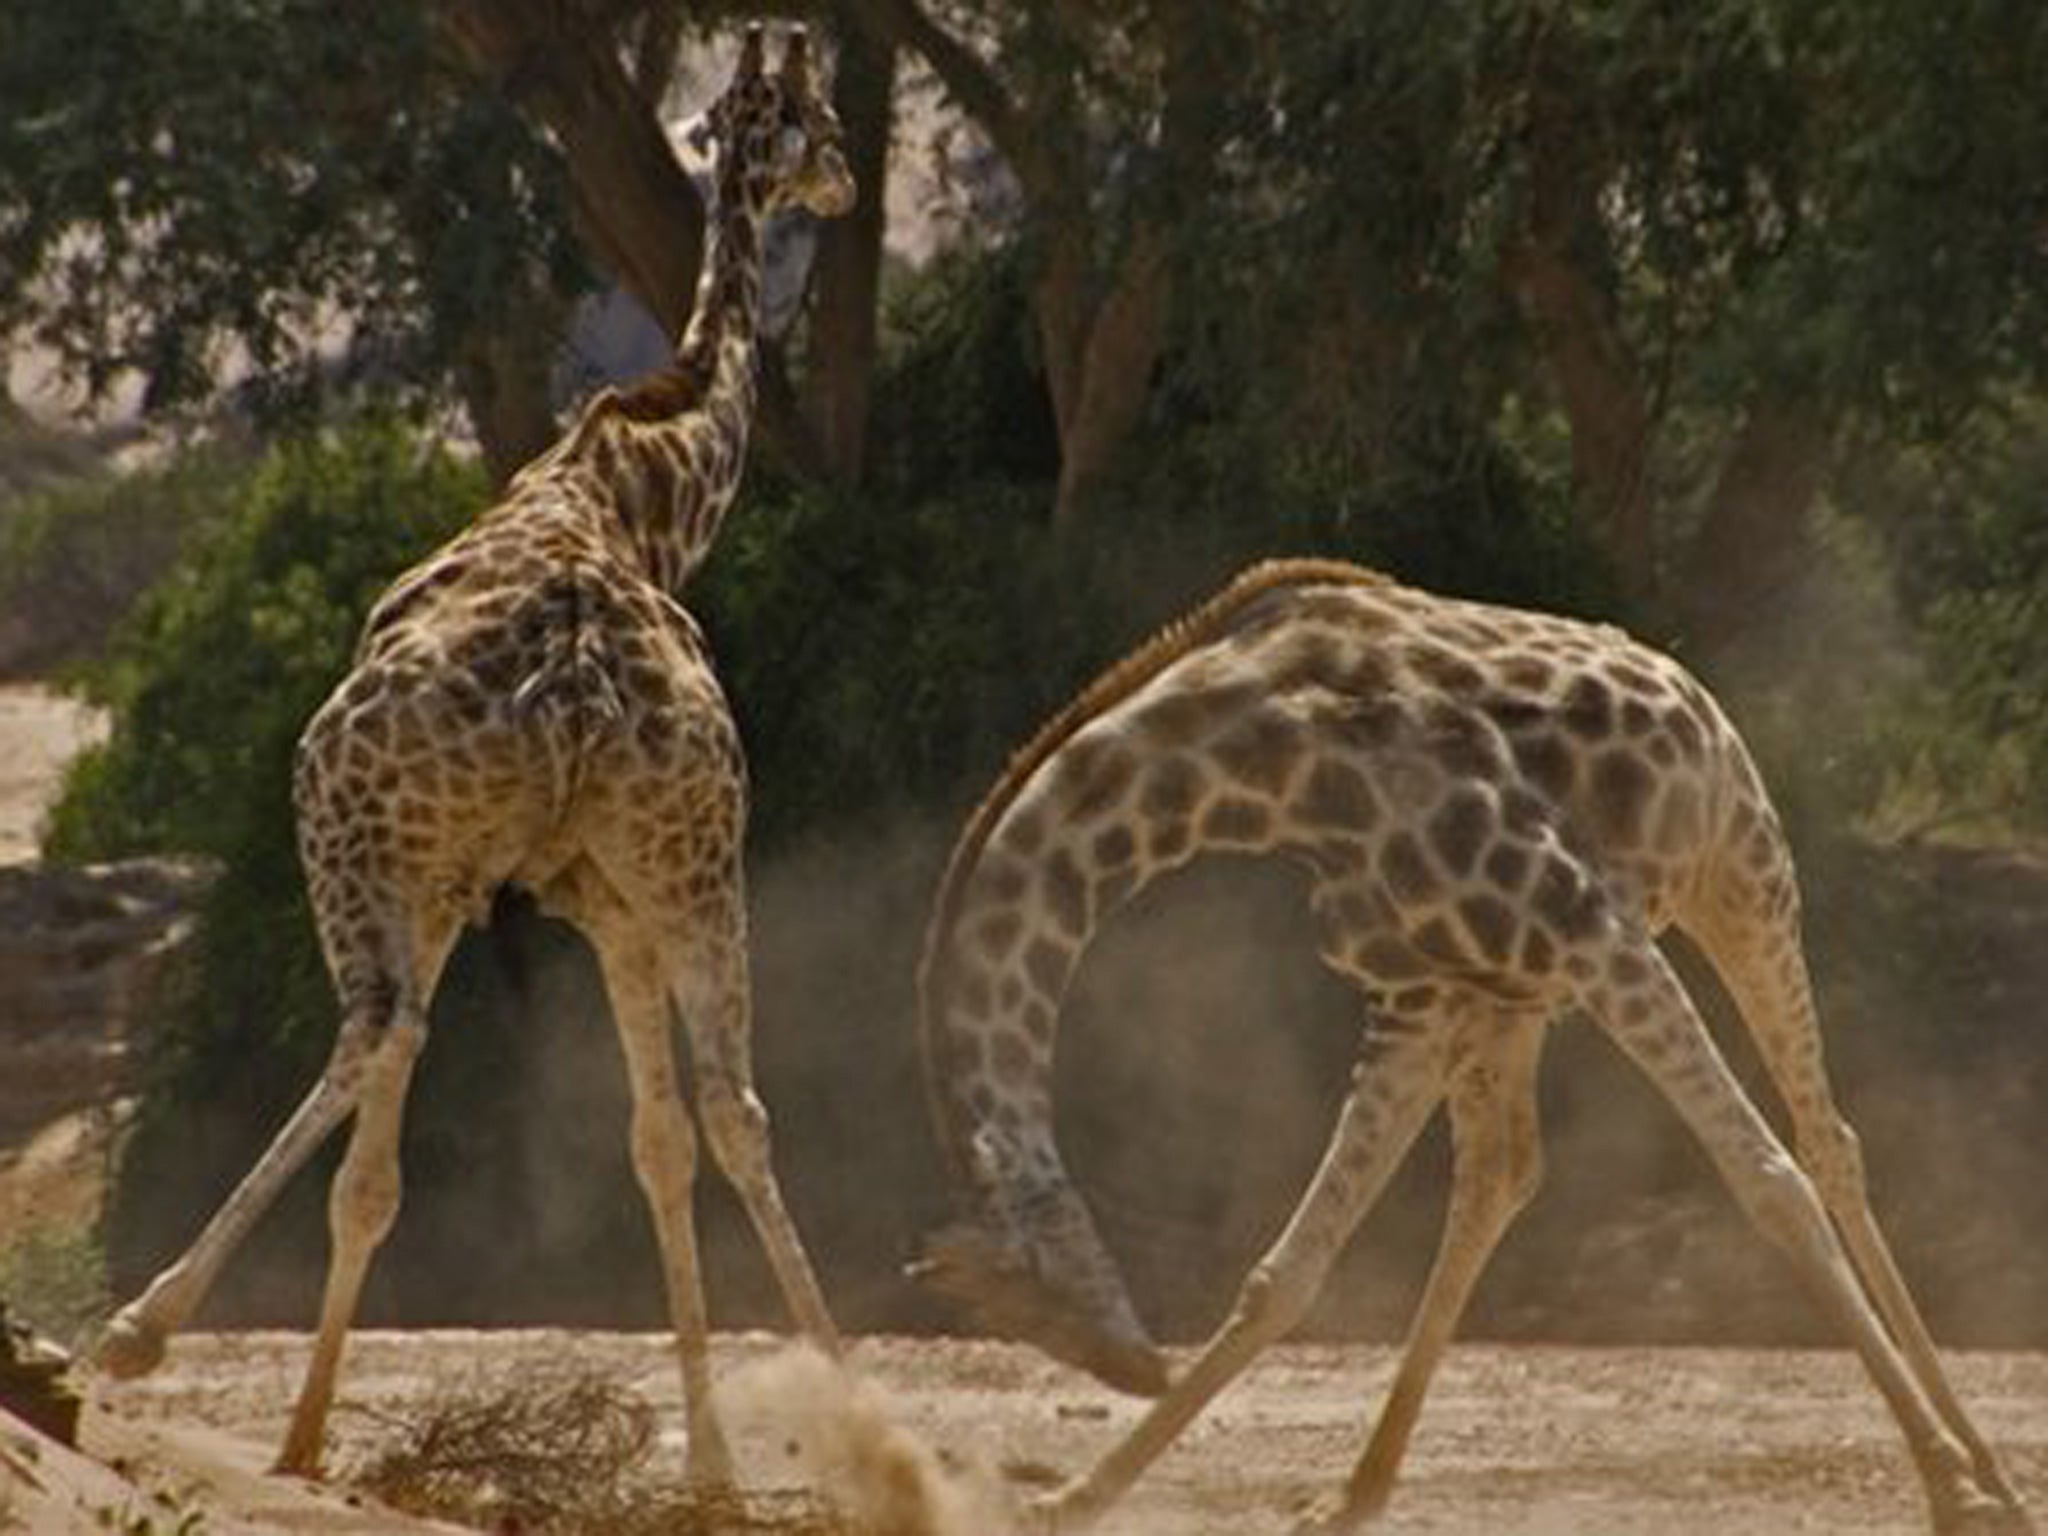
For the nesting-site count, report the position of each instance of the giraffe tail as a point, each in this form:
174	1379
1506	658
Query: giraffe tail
571	696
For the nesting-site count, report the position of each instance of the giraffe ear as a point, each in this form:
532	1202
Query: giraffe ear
750	52
796	58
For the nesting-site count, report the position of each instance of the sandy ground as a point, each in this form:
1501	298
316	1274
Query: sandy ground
1516	1440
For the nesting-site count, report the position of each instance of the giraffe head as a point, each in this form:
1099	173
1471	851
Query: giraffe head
779	129
1030	1265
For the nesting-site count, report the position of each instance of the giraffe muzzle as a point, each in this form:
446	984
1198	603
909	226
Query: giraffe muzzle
1002	1289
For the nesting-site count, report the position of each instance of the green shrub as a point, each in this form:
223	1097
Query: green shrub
1964	741
212	678
75	556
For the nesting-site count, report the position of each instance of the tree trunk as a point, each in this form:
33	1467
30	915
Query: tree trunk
849	266
1099	353
504	374
1547	267
1590	366
1118	352
1754	546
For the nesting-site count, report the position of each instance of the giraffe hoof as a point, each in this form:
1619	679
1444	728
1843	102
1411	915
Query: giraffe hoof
1064	1512
298	1459
1328	1516
1042	1517
131	1346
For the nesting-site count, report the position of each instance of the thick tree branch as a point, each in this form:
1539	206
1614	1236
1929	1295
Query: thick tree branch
638	205
849	268
1115	375
975	86
655	50
1753	547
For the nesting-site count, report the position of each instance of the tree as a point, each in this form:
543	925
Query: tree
1107	117
1707	238
185	189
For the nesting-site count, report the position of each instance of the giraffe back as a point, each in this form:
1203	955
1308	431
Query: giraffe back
1175	640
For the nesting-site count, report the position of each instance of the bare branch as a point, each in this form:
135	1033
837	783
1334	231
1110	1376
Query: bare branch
971	82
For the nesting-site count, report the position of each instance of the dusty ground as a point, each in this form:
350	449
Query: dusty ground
1515	1441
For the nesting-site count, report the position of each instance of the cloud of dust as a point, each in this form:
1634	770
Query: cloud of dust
1201	1055
856	1455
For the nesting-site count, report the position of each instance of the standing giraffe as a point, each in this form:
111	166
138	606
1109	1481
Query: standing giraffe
532	704
1498	811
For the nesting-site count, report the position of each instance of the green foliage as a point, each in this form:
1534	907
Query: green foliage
182	179
880	656
73	557
1965	739
960	400
212	678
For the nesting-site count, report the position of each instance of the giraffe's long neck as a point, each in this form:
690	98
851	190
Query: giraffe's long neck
1091	828
717	347
1088	828
669	450
1171	753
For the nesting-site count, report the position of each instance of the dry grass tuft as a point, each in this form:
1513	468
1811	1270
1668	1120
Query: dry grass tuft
565	1454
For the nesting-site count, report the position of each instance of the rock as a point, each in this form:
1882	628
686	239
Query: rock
32	1382
80	952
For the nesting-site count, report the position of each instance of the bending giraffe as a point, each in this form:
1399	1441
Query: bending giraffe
1499	811
531	704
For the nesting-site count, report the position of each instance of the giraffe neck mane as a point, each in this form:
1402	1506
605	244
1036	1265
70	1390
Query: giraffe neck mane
726	308
1122	680
705	388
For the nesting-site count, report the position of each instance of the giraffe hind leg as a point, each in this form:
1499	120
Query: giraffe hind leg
1763	966
362	1206
1392	1096
712	995
1649	1015
134	1339
386	975
665	1162
664	1145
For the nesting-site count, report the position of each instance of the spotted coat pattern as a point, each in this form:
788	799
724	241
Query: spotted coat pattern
1499	811
533	705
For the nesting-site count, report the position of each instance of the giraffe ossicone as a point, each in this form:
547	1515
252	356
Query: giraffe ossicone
1498	812
532	705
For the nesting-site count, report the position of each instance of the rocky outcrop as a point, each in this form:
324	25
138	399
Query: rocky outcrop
80	951
33	1384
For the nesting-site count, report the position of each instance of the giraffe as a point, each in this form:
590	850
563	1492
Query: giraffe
533	705
1498	812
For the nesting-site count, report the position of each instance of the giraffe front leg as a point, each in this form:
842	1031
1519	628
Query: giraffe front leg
1648	1013
1757	951
1498	1164
134	1340
1393	1092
